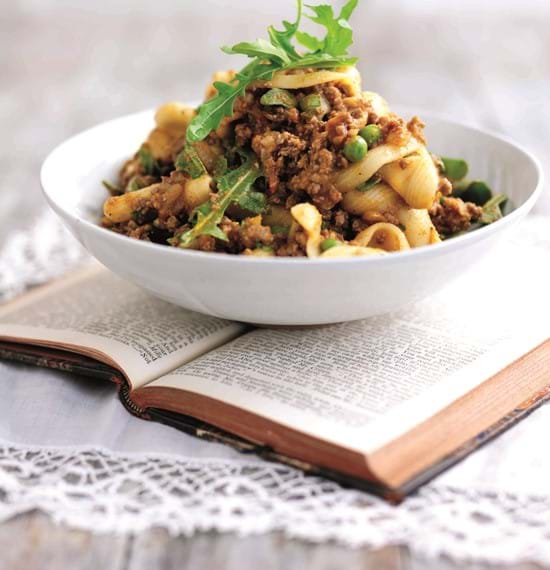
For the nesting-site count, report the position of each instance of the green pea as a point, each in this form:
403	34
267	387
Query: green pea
280	97
328	243
455	168
356	149
371	133
477	192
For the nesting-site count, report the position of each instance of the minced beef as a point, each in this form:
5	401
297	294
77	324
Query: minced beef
253	233
298	152
451	215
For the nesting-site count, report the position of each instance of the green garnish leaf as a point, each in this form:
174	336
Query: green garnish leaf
220	167
278	54
189	161
231	187
254	202
492	209
283	38
204	209
211	112
339	36
259	48
309	41
148	162
134	184
215	232
114	190
368	184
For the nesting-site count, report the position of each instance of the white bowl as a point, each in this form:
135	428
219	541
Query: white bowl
280	291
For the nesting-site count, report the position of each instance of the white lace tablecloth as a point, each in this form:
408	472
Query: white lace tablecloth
69	448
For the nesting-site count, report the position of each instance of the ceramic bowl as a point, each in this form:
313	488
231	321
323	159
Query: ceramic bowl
281	291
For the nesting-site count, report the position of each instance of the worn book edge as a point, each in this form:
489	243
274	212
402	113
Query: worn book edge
73	362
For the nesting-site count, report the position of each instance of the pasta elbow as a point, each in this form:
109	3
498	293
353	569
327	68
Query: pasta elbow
197	192
119	209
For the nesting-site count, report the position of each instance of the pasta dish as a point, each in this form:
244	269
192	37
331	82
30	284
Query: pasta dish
291	157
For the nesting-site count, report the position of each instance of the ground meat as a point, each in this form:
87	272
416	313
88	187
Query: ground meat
130	228
275	151
130	168
416	128
337	129
314	178
294	247
445	188
168	201
358	225
394	130
231	229
345	123
205	243
300	153
243	134
452	215
253	234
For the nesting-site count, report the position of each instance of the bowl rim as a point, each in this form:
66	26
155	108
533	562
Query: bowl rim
412	254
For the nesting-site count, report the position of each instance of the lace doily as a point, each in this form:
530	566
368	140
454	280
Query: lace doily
99	490
104	491
43	252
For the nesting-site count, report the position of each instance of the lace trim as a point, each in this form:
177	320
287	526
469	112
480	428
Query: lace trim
102	491
37	255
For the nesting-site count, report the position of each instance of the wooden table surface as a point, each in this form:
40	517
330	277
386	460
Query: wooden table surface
66	65
34	542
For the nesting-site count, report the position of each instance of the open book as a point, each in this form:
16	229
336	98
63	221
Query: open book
382	404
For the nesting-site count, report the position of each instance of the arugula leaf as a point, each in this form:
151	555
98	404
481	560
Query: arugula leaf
151	166
283	38
259	48
309	41
278	54
189	161
323	60
211	112
492	209
220	167
113	190
252	201
231	188
339	34
148	162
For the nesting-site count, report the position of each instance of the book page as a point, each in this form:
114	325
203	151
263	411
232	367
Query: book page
145	336
361	384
